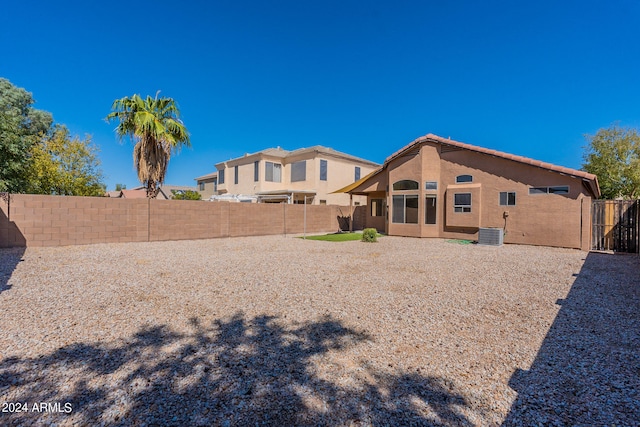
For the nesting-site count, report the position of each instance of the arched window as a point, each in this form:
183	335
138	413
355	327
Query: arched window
405	184
463	178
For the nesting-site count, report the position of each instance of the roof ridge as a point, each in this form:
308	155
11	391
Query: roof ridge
491	152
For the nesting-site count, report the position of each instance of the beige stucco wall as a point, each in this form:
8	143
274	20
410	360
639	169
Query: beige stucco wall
209	188
538	219
340	173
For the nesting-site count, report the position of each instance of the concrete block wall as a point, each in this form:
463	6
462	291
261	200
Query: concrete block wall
37	220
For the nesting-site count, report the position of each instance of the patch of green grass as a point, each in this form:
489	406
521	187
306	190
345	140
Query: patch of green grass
337	237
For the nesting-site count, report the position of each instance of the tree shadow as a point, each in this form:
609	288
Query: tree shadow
9	257
234	372
587	371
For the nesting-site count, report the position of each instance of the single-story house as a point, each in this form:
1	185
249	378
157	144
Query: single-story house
438	187
165	192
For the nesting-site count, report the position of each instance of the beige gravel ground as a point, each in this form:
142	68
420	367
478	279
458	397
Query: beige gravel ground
284	331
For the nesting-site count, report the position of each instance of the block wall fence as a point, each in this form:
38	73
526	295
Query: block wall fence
37	220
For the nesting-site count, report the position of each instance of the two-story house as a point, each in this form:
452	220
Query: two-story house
207	185
278	175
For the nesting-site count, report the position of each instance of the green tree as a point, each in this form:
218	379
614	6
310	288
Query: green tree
39	157
186	195
65	165
154	126
120	187
21	127
613	154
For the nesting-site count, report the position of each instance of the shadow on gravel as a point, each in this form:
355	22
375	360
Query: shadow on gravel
587	371
234	372
9	257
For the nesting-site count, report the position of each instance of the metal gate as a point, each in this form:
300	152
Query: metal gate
615	225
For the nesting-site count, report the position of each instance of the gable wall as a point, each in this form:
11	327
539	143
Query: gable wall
541	219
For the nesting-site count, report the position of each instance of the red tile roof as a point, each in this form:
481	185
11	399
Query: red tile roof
589	178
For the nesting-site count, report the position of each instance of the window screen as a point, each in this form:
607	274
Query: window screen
273	172
323	170
299	171
405	209
462	202
507	198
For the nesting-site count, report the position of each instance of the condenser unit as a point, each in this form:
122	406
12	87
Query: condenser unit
490	236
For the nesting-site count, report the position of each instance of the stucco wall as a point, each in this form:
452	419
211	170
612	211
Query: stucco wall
539	219
340	173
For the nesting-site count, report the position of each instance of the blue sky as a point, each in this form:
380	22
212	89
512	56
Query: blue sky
364	77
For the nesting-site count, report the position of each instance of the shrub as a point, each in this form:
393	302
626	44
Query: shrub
370	235
186	195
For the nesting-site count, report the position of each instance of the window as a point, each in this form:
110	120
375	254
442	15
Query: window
462	202
221	176
272	172
323	170
431	185
235	178
356	203
507	198
256	170
357	174
405	184
463	178
560	189
430	210
299	171
376	207
201	186
405	209
323	202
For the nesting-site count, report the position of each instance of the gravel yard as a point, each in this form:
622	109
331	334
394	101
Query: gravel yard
284	331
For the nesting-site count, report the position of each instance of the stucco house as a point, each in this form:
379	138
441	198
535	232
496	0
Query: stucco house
278	175
207	185
165	192
438	187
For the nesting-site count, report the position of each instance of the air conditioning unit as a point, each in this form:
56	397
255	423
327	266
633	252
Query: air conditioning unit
491	236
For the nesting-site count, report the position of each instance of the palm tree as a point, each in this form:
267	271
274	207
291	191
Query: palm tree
153	124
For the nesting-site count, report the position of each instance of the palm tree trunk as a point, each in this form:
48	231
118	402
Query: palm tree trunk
152	191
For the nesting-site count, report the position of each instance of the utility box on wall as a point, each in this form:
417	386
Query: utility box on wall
490	236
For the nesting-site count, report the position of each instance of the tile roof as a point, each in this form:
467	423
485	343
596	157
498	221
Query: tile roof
207	176
330	151
590	178
282	154
134	194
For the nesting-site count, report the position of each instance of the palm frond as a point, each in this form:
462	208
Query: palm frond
154	125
